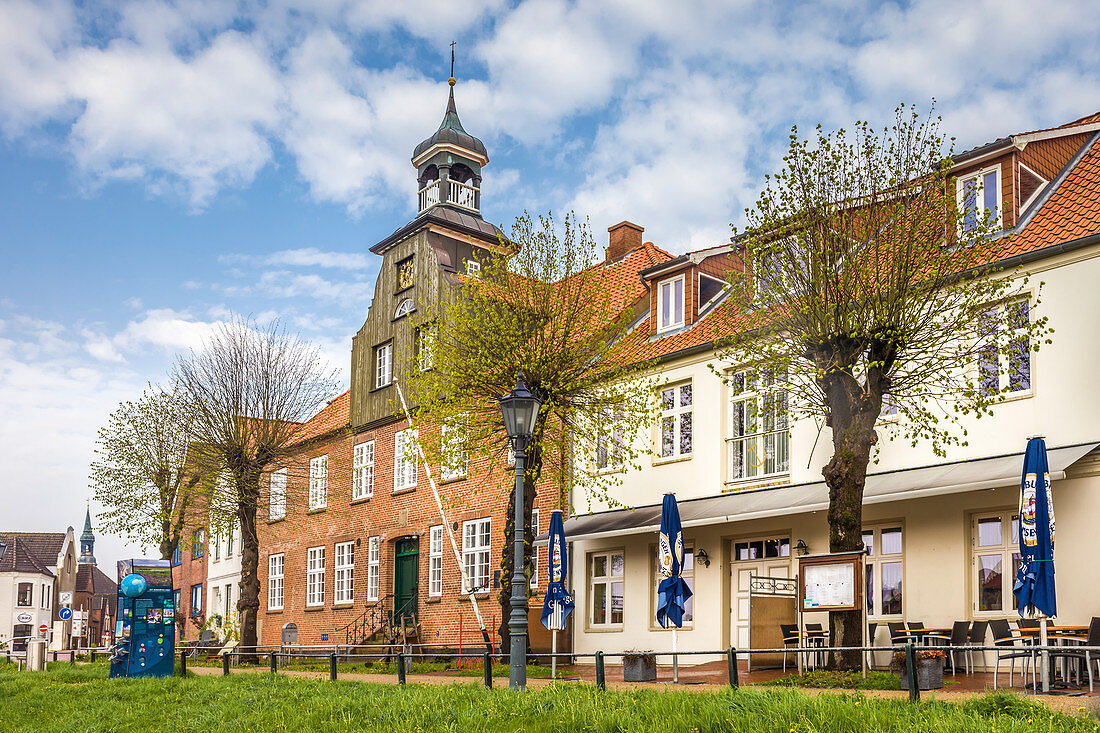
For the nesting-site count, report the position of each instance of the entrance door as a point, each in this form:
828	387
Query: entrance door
769	556
406	576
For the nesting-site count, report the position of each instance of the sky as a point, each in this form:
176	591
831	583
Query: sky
164	166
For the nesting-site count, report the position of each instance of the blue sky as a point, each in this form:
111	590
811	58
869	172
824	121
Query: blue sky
165	165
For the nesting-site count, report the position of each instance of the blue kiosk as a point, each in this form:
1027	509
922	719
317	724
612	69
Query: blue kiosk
145	630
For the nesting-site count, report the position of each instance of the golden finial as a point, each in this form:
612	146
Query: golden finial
451	81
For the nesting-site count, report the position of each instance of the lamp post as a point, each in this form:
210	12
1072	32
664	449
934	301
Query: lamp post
520	409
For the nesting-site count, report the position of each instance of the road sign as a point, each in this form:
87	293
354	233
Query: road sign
324	637
65	597
65	614
42	629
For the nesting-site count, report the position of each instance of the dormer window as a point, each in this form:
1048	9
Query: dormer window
473	269
404	308
979	200
670	304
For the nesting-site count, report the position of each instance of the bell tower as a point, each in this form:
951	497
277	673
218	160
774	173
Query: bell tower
87	541
448	164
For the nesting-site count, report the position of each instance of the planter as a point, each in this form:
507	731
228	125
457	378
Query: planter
929	675
640	667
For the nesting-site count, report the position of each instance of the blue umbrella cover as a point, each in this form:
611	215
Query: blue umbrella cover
1034	588
673	591
557	604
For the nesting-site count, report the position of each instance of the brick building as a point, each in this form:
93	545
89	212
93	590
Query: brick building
189	577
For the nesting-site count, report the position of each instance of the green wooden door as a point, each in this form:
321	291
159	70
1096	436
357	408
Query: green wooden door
406	577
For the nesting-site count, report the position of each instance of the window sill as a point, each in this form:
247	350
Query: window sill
343	605
610	470
276	521
453	480
271	611
479	595
316	510
660	461
361	500
685	627
1015	397
758	482
313	609
399	492
434	599
603	629
379	389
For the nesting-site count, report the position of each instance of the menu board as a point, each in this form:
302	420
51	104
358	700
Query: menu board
830	582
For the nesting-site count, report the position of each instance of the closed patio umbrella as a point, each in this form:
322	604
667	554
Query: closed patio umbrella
1034	588
673	591
557	604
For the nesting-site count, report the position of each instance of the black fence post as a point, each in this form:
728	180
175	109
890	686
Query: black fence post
332	667
734	681
225	665
72	657
400	668
183	663
93	653
274	661
911	672
601	682
487	667
55	655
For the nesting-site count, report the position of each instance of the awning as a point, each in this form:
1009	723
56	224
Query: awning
897	485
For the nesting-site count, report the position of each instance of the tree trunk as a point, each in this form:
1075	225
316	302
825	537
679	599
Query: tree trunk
249	604
532	469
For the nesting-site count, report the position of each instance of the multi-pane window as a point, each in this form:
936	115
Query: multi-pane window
979	200
198	543
454	448
374	564
610	440
884	568
315	576
670	304
995	539
177	555
228	601
435	560
362	475
676	421
196	600
605	588
217	543
758	442
998	371
404	308
344	576
404	459
383	365
318	482
534	549
176	599
475	553
229	541
275	581
25	594
425	347
687	572
762	549
277	495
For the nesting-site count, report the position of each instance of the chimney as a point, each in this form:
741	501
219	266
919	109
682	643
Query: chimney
622	238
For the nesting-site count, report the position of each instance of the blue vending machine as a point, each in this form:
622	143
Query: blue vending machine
146	620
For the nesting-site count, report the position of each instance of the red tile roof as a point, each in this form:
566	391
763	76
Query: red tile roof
333	416
21	557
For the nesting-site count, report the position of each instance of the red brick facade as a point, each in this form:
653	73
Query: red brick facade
189	572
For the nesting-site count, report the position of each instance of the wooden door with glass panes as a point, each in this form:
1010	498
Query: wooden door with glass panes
768	556
995	556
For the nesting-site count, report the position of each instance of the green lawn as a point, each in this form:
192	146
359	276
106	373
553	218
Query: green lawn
82	699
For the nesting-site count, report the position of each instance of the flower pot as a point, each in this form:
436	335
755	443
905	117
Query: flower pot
929	675
640	667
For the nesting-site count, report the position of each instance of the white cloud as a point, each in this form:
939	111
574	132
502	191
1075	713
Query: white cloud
306	257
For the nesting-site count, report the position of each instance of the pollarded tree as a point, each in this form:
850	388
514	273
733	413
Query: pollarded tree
247	392
145	475
543	309
869	287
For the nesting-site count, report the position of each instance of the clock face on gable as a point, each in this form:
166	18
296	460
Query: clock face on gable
405	274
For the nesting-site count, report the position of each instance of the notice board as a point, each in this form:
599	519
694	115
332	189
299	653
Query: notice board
830	582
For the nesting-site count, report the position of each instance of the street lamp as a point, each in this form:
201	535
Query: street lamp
520	408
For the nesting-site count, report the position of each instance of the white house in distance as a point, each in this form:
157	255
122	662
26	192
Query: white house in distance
940	531
223	578
37	577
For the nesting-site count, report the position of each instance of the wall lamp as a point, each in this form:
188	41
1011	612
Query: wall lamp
702	556
802	548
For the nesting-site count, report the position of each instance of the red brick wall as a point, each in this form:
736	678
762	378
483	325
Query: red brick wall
391	517
191	571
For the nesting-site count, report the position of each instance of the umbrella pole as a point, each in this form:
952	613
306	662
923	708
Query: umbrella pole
675	660
1046	654
554	654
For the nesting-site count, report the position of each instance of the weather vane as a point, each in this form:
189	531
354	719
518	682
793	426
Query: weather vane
451	81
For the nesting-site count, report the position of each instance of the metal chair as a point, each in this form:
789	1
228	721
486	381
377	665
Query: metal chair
871	629
916	632
977	638
898	633
790	638
1088	657
1003	637
817	637
960	630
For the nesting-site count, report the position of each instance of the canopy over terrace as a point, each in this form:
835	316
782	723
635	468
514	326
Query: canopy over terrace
887	486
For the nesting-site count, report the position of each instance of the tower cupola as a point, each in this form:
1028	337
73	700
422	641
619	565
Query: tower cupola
87	542
448	165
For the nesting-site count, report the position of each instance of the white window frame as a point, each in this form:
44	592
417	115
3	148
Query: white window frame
425	347
873	563
404	308
1037	192
230	539
435	561
1008	549
318	482
670	424
670	318
374	567
362	475
276	566
610	442
473	269
196	598
216	546
774	444
46	596
405	460
687	572
978	177
534	548
455	456
1004	371
608	581
277	495
343	586
315	577
383	365
477	543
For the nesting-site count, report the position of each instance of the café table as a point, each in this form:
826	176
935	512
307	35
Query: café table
1056	635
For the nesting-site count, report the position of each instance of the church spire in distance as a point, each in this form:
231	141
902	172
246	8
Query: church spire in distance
87	541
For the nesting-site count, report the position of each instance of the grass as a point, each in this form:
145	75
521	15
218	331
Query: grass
823	678
80	698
